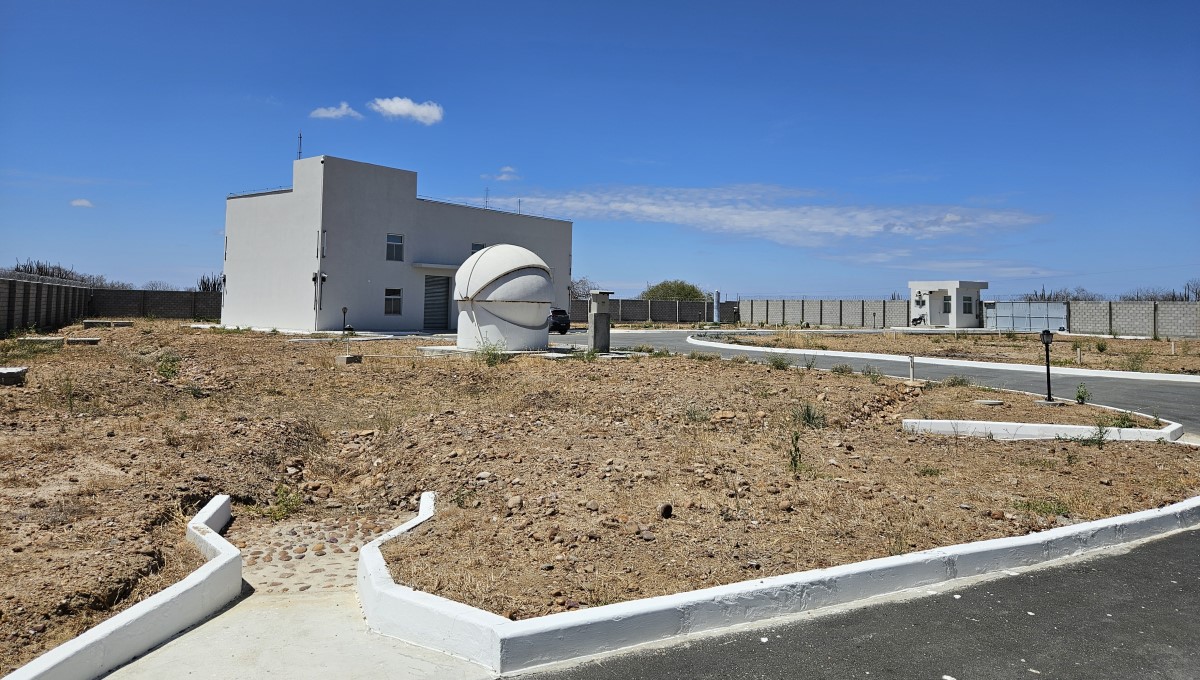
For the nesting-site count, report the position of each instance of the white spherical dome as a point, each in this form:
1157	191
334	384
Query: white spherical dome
504	273
504	293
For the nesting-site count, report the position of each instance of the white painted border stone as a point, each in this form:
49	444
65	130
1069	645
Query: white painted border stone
506	646
930	361
1002	430
157	619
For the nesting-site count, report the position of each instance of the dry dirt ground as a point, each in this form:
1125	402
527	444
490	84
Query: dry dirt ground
1153	356
553	475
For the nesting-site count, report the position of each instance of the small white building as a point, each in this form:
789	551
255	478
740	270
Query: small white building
946	304
356	235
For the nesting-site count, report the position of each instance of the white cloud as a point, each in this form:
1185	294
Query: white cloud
770	212
82	203
507	174
343	110
427	113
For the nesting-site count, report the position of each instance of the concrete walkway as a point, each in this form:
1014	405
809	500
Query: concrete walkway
320	634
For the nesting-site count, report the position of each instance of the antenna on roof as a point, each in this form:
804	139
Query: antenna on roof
299	143
486	192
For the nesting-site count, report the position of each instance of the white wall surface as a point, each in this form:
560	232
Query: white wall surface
271	254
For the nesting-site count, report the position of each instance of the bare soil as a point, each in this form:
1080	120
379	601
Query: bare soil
1113	354
562	463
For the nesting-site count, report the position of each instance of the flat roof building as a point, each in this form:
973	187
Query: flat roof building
356	235
946	304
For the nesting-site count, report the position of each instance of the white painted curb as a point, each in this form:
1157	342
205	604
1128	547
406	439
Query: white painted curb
1001	430
506	646
930	361
157	619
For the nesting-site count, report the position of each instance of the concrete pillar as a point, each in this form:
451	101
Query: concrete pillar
598	321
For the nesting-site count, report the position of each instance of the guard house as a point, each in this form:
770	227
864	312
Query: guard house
946	304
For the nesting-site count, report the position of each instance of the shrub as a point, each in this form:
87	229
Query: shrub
872	373
1137	360
957	381
842	369
492	354
702	356
1082	395
1101	346
779	362
168	365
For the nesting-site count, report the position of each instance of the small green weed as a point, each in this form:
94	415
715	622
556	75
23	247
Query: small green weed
1050	506
795	455
738	359
929	472
168	365
660	353
1102	346
872	373
810	362
957	381
842	369
779	362
1124	419
1137	360
702	356
286	502
809	416
492	354
695	415
1082	395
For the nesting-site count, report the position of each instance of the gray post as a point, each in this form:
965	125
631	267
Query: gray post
912	368
598	321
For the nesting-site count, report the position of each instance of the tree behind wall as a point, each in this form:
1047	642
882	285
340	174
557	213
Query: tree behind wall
674	289
57	271
581	287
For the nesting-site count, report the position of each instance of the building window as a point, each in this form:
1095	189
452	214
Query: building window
393	299
476	247
947	304
968	305
395	247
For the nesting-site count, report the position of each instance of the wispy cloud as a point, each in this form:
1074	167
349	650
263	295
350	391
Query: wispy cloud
426	113
343	110
770	212
507	174
81	203
987	269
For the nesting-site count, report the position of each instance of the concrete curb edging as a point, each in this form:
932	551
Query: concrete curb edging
155	620
1003	430
929	361
506	646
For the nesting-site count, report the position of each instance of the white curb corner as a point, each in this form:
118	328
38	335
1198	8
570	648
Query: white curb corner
1170	431
506	646
149	623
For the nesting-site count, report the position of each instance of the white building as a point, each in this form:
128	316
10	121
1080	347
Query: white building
948	304
355	235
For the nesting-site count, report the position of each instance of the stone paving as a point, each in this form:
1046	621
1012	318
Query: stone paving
299	555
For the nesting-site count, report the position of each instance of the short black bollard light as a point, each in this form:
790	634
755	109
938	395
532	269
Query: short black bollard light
344	310
1047	338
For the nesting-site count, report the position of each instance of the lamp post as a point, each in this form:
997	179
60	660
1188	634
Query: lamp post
1047	337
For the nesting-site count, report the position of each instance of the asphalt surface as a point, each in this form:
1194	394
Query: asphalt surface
1132	615
1176	401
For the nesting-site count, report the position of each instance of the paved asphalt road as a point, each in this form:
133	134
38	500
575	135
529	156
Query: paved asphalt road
1128	616
1175	401
1131	615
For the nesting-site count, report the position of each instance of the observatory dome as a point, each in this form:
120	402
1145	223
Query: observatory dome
504	294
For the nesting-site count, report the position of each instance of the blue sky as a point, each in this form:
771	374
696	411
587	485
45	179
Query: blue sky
759	148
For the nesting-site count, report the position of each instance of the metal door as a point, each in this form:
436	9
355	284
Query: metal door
437	303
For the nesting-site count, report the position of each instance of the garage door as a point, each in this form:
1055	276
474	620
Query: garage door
437	303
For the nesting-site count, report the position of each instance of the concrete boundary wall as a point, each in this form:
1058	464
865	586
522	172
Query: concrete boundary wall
1125	318
42	305
655	311
149	623
505	646
842	313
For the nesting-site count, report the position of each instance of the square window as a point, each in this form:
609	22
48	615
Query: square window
395	247
947	304
393	299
